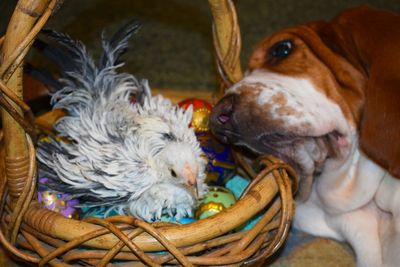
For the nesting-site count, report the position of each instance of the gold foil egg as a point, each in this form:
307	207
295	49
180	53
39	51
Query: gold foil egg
201	113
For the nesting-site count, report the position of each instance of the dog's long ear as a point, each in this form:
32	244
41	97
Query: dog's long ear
380	126
370	41
379	39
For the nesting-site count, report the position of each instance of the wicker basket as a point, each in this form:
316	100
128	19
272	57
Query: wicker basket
43	237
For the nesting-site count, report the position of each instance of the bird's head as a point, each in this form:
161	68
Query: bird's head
174	151
182	164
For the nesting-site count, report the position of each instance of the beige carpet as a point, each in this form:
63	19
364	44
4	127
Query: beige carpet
318	253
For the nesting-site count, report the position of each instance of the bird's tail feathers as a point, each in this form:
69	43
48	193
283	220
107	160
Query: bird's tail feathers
82	82
117	45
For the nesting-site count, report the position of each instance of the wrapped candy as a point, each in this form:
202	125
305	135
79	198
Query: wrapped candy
221	165
216	200
58	202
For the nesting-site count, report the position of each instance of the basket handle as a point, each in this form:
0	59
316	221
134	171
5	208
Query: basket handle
227	42
27	20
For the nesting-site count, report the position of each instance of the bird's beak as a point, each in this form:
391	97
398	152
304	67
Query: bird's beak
191	181
190	177
196	190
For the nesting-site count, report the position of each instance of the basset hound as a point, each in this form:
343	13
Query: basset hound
325	97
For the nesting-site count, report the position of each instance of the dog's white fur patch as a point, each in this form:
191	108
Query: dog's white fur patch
357	201
320	113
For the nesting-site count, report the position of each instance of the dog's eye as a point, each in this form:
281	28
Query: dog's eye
280	50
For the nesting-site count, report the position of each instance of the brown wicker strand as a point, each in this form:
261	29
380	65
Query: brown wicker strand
18	102
12	249
42	250
291	174
25	198
40	219
220	252
28	127
16	169
230	259
45	238
132	246
227	41
42	237
285	188
11	63
246	240
168	245
269	169
76	242
116	249
98	254
150	229
217	242
16	144
22	243
16	99
286	219
244	164
3	192
226	249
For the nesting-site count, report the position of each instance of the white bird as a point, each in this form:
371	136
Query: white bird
137	156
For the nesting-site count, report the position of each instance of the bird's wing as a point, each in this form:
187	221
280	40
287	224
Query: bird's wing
46	168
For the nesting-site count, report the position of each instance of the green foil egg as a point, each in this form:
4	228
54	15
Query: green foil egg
216	200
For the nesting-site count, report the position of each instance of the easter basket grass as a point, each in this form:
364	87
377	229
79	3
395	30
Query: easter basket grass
43	237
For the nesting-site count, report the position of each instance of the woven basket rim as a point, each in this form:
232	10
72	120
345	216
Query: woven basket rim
178	234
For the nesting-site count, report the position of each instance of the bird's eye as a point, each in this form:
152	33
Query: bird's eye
280	50
168	136
173	173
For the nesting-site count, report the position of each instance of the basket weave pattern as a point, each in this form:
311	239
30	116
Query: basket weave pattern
40	236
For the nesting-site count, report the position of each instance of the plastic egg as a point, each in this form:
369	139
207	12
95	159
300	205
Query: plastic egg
216	200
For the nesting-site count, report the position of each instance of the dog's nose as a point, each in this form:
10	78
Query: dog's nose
222	118
223	110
